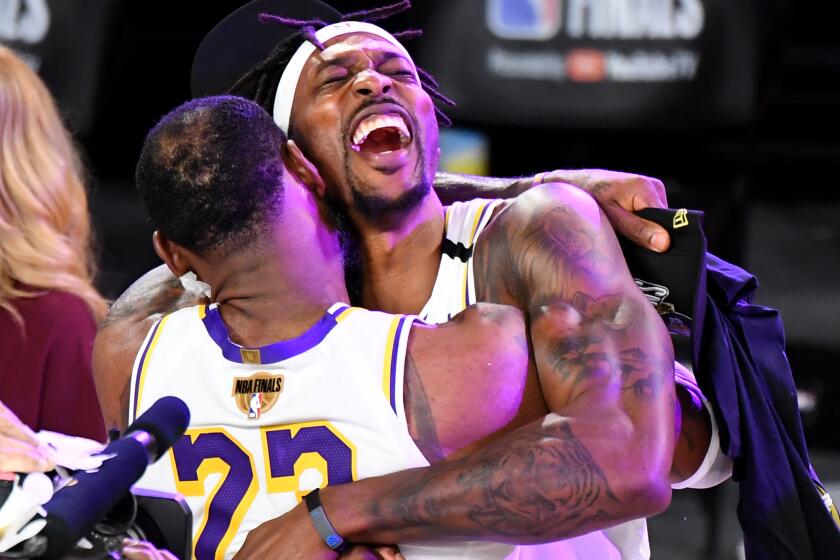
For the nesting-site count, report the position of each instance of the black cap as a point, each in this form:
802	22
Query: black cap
241	41
676	279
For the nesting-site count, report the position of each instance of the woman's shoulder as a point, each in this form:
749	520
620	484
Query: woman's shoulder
51	308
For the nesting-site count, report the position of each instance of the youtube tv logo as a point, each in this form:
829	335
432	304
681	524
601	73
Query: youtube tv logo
586	65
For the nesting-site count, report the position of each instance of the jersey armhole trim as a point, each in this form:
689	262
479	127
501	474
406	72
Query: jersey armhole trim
394	366
469	275
142	365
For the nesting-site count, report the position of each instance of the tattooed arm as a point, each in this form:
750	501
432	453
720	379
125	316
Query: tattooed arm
619	194
121	334
452	187
605	365
156	292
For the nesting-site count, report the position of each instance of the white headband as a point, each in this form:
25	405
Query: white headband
285	95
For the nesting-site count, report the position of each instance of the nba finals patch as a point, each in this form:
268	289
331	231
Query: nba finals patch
258	393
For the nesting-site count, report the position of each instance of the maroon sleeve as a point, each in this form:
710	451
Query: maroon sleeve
68	396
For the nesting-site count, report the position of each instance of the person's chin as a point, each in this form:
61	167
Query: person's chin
390	198
386	175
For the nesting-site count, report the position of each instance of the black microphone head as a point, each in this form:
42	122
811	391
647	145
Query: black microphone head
166	420
75	509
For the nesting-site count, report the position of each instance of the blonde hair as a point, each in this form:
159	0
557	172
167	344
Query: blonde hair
45	237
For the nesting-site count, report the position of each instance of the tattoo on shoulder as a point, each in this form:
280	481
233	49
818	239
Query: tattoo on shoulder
419	414
527	251
560	228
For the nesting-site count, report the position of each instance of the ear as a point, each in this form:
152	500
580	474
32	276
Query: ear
303	169
172	254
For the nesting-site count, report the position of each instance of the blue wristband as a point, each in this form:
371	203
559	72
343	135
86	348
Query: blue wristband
322	525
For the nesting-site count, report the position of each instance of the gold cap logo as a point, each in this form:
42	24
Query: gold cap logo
681	218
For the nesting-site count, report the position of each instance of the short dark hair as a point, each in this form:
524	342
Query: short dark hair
211	174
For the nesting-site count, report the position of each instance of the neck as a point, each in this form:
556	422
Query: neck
400	262
269	296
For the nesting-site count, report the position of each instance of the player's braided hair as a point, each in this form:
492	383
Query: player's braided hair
260	83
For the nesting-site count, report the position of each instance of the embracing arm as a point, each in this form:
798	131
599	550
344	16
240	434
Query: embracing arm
605	365
114	350
619	195
156	292
454	187
121	334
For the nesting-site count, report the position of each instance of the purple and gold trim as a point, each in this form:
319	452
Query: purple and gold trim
389	368
142	365
340	312
278	351
478	218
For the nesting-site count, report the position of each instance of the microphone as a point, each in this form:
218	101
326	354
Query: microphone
75	509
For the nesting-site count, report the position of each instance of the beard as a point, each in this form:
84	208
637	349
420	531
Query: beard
376	208
380	209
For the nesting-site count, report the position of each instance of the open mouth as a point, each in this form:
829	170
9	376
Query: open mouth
381	134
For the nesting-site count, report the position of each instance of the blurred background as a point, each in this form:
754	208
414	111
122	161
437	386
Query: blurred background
734	104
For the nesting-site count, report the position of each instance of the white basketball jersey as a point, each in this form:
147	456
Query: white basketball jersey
270	424
454	290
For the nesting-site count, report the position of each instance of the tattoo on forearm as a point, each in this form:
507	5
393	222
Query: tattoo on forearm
148	297
539	481
513	508
598	188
